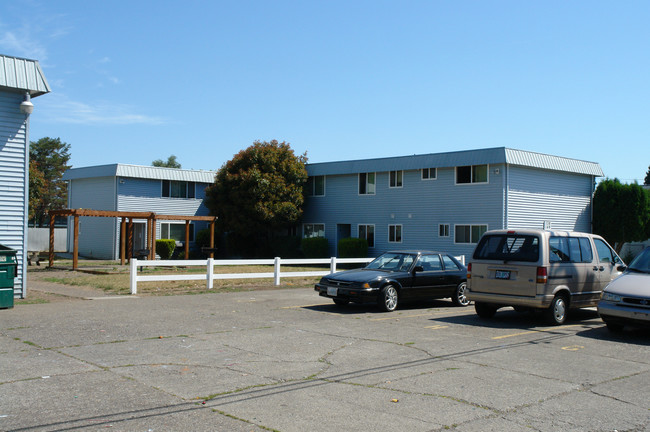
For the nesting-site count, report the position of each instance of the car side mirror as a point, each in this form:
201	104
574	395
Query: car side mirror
621	268
418	269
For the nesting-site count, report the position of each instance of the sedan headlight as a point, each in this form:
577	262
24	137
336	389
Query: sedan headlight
611	297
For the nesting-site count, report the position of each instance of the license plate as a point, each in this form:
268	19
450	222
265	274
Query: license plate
332	291
502	274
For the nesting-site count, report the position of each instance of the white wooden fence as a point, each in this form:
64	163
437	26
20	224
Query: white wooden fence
210	276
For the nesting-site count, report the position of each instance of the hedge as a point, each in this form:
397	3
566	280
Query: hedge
315	247
165	248
353	248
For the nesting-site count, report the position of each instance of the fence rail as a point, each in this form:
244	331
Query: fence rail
210	263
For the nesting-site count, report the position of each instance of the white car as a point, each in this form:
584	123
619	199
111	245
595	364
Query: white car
626	300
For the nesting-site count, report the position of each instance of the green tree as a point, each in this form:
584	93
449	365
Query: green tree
621	212
258	192
36	188
50	157
170	163
646	181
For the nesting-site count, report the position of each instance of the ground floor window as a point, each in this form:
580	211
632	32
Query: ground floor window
175	231
367	232
394	233
443	230
313	230
469	233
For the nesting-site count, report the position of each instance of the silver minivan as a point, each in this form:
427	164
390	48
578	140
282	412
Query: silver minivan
539	269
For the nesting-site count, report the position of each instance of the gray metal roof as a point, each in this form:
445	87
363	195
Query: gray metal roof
140	171
19	74
499	155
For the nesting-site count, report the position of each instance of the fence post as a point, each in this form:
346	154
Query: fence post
333	265
210	273
134	275
276	271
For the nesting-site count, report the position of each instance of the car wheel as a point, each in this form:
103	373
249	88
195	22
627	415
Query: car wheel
460	295
614	326
556	314
485	310
341	302
388	298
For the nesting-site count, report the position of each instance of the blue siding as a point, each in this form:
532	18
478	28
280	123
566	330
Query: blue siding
419	206
13	182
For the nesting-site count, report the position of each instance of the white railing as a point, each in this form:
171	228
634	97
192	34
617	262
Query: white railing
210	275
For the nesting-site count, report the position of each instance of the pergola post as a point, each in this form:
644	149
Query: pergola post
75	247
129	236
187	239
212	239
123	241
152	238
51	251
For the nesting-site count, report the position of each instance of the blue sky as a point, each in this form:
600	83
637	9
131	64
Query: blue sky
134	81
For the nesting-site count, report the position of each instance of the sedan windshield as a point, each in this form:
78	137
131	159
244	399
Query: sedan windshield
392	262
641	263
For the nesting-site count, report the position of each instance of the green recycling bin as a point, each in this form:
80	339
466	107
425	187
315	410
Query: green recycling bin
8	270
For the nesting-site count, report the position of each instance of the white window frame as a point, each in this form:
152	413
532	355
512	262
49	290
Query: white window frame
373	233
166	226
471	226
399	179
367	185
472	182
446	232
401	233
189	186
428	170
313	230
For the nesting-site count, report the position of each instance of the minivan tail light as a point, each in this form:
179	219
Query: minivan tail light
542	275
469	271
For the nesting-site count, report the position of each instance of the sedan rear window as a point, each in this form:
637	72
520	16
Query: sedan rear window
508	247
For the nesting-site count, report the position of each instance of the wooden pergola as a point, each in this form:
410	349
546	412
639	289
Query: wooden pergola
126	231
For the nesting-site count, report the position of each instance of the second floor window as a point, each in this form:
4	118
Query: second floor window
396	179
366	183
316	186
178	189
429	174
472	174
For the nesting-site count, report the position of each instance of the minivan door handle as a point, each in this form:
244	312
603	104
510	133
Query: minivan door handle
601	268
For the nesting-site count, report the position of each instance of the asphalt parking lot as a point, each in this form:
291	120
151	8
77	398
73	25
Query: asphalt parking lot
288	360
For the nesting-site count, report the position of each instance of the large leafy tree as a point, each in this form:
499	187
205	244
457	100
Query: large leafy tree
646	181
621	212
259	191
170	163
50	157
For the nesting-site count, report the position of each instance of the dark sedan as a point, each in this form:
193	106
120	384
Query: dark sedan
394	277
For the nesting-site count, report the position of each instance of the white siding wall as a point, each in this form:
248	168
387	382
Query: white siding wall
535	196
13	187
96	235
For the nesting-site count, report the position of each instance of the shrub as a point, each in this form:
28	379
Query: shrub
315	247
353	248
286	247
165	248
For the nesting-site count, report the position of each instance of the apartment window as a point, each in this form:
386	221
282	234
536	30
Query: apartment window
178	189
429	173
366	183
316	186
443	230
469	233
367	232
395	179
471	174
394	233
175	231
313	230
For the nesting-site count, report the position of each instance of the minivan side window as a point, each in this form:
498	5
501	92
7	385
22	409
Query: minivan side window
570	249
605	254
508	247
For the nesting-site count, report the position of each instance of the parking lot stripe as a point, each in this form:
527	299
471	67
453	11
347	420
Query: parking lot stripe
533	331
